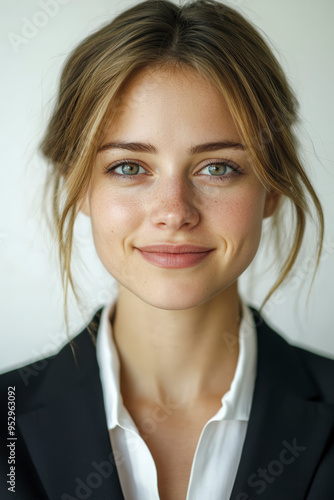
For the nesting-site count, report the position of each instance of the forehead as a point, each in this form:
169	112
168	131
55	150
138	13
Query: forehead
168	79
172	102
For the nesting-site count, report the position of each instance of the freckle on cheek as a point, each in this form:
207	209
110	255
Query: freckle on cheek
241	214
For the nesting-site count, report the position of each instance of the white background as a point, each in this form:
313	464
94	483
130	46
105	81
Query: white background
31	301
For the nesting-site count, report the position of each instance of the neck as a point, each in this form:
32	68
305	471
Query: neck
181	355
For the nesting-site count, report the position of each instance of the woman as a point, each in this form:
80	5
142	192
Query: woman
173	133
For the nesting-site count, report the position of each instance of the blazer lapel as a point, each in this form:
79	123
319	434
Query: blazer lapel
67	437
287	429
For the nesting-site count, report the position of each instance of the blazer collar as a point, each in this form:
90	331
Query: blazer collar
66	433
287	429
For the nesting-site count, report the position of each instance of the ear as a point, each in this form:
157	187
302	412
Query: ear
84	206
271	203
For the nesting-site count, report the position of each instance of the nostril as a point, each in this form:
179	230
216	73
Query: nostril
174	215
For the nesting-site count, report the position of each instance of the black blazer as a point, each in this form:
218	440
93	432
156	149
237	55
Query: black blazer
63	451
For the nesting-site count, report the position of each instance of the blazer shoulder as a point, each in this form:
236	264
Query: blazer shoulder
320	369
43	379
299	363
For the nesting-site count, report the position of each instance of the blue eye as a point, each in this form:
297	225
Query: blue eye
128	169
216	169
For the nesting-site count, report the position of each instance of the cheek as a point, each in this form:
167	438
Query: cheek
113	216
240	215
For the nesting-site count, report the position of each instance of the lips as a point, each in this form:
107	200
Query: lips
174	256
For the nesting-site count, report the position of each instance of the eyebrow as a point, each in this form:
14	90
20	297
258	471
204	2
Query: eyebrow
140	147
215	146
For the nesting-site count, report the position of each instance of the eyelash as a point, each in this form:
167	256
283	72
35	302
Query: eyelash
236	170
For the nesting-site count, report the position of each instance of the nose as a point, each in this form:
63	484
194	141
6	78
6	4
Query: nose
173	205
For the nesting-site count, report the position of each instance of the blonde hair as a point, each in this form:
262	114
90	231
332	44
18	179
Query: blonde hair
218	43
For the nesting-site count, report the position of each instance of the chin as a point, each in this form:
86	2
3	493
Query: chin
177	293
176	299
172	305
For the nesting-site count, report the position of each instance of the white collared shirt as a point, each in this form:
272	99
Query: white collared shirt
218	451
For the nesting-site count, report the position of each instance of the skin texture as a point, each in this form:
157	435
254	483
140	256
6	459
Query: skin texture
173	327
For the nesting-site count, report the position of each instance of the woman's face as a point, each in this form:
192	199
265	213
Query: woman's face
175	207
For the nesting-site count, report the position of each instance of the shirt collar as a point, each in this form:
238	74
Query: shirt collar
236	403
108	360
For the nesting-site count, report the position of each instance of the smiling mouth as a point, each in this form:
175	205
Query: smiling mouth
174	256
